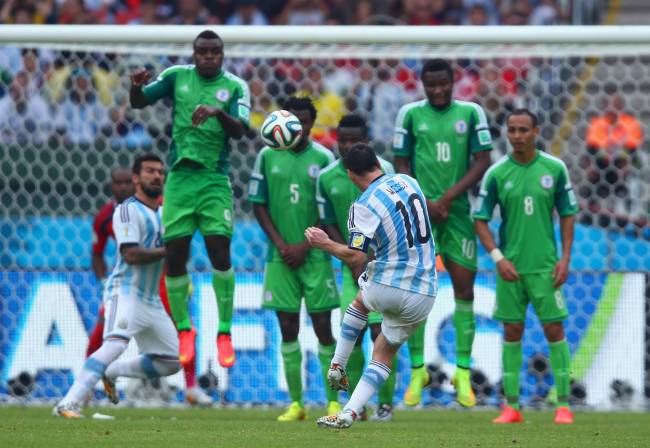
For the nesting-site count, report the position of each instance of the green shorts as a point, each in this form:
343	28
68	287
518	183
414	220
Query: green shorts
350	291
284	287
197	199
513	297
456	240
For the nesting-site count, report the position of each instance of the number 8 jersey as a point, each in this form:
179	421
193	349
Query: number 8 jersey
527	195
391	218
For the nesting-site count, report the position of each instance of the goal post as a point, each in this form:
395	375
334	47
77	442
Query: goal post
65	123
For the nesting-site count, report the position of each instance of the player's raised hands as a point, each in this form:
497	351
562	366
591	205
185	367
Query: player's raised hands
560	272
202	112
140	76
507	270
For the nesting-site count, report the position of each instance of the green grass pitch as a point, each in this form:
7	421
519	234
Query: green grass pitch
191	428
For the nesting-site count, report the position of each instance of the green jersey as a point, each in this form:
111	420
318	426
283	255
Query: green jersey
286	182
206	144
335	193
439	144
527	195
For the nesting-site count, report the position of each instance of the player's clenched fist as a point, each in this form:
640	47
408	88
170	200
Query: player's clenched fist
140	76
316	236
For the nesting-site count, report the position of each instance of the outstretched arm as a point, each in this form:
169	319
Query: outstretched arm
355	259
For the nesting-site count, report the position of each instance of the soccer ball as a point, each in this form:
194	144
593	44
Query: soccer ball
281	130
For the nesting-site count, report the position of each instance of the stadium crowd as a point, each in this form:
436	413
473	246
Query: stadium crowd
285	12
83	95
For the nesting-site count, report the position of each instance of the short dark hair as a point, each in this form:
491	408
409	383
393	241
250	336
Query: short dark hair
207	34
354	121
437	65
115	170
361	159
148	157
300	103
524	111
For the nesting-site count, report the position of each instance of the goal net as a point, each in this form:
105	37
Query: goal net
65	123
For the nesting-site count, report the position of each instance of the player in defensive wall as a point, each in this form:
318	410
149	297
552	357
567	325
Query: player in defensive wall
528	185
283	192
131	297
435	139
335	195
211	106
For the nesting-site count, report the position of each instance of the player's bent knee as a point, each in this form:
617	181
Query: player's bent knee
167	366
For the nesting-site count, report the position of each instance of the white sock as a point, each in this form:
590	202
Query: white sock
372	379
354	321
143	366
94	368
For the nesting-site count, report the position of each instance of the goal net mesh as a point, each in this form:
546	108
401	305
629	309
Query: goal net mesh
65	123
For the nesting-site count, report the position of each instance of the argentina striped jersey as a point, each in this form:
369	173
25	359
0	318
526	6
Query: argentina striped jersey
134	223
391	218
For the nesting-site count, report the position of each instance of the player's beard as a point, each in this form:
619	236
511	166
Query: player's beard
152	192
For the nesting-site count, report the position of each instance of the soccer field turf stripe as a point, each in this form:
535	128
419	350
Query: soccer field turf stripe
591	342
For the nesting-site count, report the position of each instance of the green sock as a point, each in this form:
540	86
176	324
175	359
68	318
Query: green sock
465	326
223	283
355	366
387	390
511	370
178	289
292	359
560	363
325	355
416	346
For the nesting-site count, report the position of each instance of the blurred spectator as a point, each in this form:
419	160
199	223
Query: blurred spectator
329	104
547	12
488	7
363	12
191	12
424	12
124	130
32	67
56	79
80	116
105	78
247	13
477	16
24	114
74	12
303	12
612	142
148	12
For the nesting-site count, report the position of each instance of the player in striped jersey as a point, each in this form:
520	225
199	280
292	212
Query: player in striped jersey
131	297
391	218
335	193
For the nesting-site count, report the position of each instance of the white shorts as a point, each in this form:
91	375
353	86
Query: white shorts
151	327
403	310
